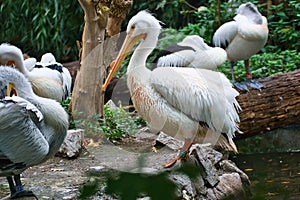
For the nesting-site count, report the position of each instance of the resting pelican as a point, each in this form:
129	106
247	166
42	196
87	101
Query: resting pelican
187	103
242	38
48	80
32	128
192	51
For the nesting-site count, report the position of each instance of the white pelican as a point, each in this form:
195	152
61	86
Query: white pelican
242	38
185	103
32	128
49	80
192	51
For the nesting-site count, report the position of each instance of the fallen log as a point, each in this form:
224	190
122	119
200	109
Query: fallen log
275	106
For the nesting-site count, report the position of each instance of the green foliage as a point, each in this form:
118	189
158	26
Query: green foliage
168	11
46	26
284	26
265	64
284	21
208	19
118	123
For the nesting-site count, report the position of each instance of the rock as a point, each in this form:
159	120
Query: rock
230	185
229	166
220	178
72	144
207	158
112	105
169	141
184	185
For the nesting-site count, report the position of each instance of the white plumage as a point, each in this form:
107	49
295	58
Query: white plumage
243	37
187	103
32	128
192	52
49	79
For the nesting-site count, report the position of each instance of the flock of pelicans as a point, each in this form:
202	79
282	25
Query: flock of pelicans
183	96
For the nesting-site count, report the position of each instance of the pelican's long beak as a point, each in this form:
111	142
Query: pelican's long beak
11	90
128	44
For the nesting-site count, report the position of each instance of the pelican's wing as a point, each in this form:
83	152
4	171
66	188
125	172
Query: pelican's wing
21	141
225	34
67	82
175	56
204	95
195	41
42	71
63	75
251	31
177	59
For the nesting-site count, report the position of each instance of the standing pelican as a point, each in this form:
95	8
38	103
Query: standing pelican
32	128
187	103
192	51
49	79
242	38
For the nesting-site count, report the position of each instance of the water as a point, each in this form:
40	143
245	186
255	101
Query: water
274	176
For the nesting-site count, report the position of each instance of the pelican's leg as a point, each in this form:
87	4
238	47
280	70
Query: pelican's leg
11	184
232	71
184	152
240	86
249	81
17	190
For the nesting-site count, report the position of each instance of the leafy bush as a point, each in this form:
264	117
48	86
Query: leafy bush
265	64
46	26
118	123
284	26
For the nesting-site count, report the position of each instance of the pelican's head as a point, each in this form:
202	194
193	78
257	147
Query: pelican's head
10	54
14	82
142	26
250	11
48	58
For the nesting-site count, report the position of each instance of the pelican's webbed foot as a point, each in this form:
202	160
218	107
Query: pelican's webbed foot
243	86
16	188
183	155
255	84
22	193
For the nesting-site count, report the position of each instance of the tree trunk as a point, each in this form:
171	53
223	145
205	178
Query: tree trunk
275	106
97	53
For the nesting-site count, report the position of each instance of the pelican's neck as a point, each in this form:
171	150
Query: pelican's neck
141	53
19	63
56	123
22	85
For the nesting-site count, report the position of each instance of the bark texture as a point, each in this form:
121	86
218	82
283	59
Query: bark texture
96	53
275	106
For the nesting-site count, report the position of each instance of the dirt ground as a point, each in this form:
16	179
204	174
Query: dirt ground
61	178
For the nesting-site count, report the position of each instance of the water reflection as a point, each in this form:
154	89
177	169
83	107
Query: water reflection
273	175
